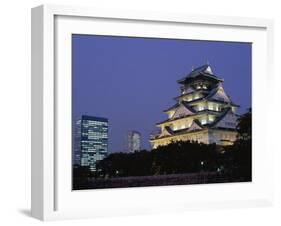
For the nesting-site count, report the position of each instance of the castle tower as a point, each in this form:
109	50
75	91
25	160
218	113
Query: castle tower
203	112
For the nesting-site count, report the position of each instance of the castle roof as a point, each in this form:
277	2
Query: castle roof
184	103
187	106
196	125
220	117
206	111
217	94
203	71
171	108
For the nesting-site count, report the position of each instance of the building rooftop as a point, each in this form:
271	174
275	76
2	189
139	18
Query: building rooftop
202	71
187	116
94	118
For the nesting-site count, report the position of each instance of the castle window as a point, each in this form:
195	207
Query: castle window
203	121
213	107
189	98
196	96
201	107
211	118
210	106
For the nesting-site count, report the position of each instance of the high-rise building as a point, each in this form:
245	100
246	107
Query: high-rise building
133	141
90	141
203	112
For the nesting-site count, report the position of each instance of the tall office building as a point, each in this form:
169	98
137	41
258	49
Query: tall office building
90	141
133	141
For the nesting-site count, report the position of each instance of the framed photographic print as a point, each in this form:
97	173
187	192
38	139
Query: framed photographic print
137	112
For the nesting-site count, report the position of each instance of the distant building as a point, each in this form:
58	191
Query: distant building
203	112
133	141
90	141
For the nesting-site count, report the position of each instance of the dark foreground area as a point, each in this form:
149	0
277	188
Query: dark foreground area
160	180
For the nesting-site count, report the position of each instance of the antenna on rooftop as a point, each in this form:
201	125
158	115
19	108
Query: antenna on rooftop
192	68
208	63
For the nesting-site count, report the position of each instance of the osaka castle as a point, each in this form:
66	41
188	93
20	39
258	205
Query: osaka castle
203	112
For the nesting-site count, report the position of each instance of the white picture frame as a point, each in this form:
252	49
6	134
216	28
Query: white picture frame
52	197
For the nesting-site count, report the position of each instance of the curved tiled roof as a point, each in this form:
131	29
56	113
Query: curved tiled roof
204	70
184	103
187	106
187	116
218	119
171	108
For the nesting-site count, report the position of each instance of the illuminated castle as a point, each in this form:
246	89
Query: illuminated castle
203	112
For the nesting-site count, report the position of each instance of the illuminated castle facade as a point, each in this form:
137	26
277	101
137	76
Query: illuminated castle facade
203	112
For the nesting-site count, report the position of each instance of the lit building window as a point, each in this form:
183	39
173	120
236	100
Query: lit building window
211	118
203	121
211	107
196	96
201	107
189	98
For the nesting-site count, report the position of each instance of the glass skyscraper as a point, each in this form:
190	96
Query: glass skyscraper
90	141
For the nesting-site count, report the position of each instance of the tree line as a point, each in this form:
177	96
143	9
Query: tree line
182	157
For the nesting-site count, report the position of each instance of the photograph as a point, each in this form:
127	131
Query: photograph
150	111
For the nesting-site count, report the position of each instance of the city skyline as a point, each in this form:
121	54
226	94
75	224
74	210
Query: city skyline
131	80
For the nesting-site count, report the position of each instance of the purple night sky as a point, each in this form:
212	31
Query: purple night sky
131	81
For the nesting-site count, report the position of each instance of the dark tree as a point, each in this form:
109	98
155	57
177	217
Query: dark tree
240	153
175	158
244	126
80	171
